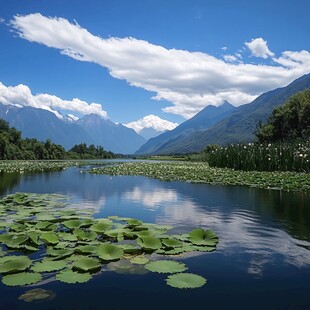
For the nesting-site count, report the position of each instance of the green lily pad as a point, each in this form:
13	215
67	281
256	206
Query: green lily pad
87	264
185	280
11	264
59	253
86	249
100	227
110	252
149	243
172	243
71	277
133	222
72	224
84	235
50	238
165	266
139	260
48	266
23	278
200	236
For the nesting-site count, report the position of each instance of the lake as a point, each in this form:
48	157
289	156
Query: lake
262	260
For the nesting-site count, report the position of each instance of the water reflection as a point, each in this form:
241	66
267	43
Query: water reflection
257	228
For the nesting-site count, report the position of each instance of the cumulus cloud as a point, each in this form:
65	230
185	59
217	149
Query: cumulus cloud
152	121
21	95
259	48
189	80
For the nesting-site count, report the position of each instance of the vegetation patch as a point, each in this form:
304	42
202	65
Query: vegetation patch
72	245
194	172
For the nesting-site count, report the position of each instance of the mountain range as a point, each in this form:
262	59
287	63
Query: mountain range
91	129
231	126
213	125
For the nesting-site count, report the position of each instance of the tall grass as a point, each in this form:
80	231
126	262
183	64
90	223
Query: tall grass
261	157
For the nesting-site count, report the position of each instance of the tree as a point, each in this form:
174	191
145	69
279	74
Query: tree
288	122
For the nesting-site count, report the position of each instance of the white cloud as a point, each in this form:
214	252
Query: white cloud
21	95
2	20
151	121
259	48
189	80
230	58
224	48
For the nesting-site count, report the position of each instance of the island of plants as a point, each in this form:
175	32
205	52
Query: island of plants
72	246
199	172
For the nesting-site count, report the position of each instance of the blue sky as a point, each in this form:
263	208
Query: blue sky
162	59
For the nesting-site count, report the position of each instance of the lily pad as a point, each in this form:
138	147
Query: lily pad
149	243
72	224
23	278
200	236
100	227
48	266
50	238
165	266
13	264
172	243
71	277
87	264
110	252
185	280
86	249
139	260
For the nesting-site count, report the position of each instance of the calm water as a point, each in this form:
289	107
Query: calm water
262	260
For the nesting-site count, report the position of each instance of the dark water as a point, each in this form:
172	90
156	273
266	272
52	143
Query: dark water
261	262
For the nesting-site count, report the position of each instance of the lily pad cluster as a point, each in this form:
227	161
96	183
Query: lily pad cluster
200	172
72	246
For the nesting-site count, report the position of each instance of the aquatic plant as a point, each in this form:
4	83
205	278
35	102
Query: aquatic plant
195	172
72	245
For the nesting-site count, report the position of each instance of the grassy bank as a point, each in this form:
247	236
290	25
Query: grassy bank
202	173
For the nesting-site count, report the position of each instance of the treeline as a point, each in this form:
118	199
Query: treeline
13	146
282	143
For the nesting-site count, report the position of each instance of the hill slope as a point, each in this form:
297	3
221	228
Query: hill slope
169	141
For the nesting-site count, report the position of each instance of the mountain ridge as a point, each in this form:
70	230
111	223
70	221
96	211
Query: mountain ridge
241	124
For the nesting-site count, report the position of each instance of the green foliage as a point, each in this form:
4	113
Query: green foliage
165	266
72	241
280	156
82	151
203	173
288	122
185	280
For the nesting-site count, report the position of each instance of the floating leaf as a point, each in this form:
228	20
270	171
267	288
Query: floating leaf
86	249
49	238
85	235
59	254
185	280
72	224
139	260
12	264
172	243
149	243
48	266
69	276
100	227
110	252
165	266
200	236
87	264
133	222
23	278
